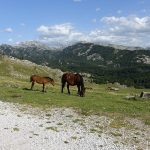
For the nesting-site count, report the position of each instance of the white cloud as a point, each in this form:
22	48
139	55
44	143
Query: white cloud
110	37
8	30
62	33
130	30
56	30
131	23
43	29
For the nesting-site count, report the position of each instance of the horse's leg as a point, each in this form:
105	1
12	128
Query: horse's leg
32	84
68	88
43	87
63	85
78	86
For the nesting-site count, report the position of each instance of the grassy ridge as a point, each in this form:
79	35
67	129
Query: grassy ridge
22	69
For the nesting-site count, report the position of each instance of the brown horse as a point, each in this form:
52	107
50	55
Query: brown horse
73	79
41	80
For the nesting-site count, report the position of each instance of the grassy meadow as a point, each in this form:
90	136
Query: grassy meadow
97	100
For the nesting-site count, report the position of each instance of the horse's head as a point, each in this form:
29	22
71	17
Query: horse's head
82	92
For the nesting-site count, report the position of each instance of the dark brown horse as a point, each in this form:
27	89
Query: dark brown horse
41	80
73	79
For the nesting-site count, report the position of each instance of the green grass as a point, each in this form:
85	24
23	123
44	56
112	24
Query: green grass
116	134
52	128
16	129
14	82
96	101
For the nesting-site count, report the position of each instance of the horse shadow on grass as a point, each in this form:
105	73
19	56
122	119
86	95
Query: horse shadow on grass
29	89
35	90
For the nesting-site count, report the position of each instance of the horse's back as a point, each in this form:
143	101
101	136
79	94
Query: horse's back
72	79
38	79
41	80
67	77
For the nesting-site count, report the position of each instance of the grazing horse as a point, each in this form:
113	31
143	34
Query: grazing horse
73	79
41	80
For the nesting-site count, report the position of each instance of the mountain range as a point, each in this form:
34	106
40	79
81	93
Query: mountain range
106	63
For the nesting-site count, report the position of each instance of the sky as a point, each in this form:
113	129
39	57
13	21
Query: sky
61	22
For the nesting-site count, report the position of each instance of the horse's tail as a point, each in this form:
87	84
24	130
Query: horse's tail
82	92
63	82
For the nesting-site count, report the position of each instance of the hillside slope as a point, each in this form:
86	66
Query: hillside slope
23	69
105	63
